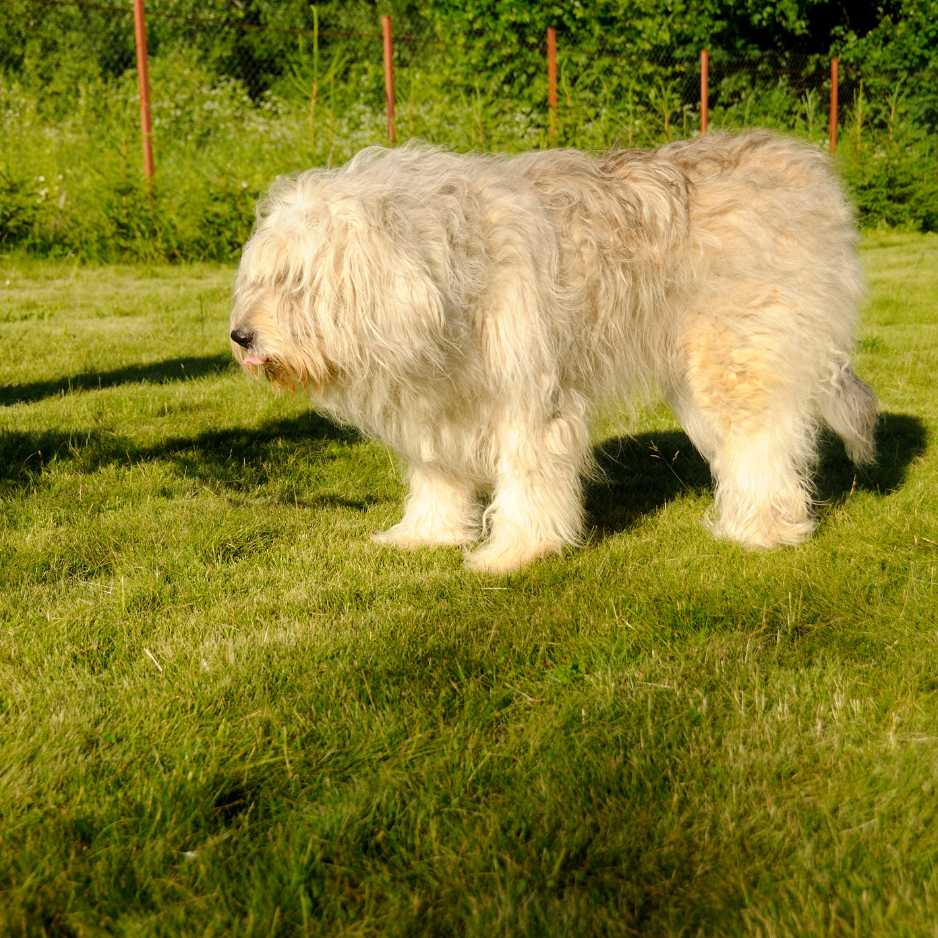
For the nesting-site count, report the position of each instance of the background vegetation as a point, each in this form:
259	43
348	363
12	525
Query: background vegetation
243	92
226	712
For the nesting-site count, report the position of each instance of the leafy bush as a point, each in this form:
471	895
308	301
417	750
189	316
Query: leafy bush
18	211
233	107
893	178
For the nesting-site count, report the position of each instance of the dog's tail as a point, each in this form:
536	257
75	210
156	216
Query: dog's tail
849	407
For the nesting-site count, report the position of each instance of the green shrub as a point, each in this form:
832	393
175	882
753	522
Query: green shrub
18	210
469	76
893	181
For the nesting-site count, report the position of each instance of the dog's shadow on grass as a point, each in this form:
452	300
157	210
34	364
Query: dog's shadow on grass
241	459
900	439
246	460
639	475
173	369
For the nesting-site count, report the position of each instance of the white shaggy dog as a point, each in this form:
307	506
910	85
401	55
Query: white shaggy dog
473	312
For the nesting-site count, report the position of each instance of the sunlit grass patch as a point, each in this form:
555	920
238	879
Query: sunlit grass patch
225	711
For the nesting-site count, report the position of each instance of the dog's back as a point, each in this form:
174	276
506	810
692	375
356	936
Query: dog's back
768	217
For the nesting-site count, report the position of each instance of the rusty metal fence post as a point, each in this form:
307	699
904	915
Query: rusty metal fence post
551	84
704	89
389	77
143	86
832	119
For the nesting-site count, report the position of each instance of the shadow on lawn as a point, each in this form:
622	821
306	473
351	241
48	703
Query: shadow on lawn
243	459
641	474
172	369
239	458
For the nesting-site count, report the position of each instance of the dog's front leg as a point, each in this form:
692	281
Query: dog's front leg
440	510
537	503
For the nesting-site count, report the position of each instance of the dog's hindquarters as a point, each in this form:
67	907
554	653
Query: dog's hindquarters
765	345
748	411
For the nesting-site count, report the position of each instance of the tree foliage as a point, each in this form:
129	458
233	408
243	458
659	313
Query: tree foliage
246	89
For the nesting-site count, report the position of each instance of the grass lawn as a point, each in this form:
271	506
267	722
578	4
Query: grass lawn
225	712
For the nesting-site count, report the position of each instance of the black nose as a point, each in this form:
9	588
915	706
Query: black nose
244	338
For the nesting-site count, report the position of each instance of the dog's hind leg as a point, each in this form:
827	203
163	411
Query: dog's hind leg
698	426
763	494
750	415
440	510
537	503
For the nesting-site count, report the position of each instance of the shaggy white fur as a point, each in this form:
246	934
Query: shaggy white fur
473	311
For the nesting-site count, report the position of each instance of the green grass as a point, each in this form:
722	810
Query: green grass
225	712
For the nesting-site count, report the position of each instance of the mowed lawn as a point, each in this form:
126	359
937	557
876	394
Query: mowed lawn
223	711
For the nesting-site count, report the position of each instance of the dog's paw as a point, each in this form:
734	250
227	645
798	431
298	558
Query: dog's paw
762	531
506	558
405	537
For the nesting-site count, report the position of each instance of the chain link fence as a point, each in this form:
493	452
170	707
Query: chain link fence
236	101
210	74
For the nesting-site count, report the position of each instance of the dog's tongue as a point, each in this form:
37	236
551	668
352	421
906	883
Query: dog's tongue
253	360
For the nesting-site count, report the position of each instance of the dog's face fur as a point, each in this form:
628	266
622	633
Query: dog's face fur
309	291
265	340
274	319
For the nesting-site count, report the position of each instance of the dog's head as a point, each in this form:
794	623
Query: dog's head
275	326
333	283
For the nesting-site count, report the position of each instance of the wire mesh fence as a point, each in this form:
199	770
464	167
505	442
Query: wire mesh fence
236	98
212	73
